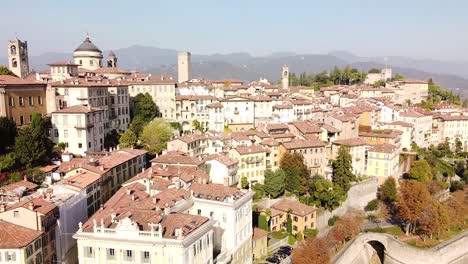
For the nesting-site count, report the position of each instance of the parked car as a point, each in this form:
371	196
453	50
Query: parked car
273	259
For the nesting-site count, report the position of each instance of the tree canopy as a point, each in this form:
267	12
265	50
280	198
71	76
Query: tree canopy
145	107
296	172
420	170
33	146
274	182
342	169
128	139
388	191
325	193
413	199
5	71
7	132
312	250
155	136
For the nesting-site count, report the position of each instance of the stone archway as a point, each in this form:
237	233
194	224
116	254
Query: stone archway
379	248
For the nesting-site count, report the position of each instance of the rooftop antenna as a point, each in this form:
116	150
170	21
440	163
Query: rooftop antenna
386	60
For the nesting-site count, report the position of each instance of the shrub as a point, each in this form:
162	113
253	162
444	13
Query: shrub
311	233
456	185
372	205
291	240
299	236
332	220
263	222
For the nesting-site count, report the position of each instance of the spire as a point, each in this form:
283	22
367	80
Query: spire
87	35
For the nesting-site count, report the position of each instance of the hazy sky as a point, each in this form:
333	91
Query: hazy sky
417	28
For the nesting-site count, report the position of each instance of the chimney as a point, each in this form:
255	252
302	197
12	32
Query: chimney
128	191
148	185
25	178
113	215
133	197
38	76
2	208
31	206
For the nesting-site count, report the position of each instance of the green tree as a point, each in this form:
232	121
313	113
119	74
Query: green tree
145	107
32	145
458	147
274	182
289	222
35	175
325	193
296	173
111	139
310	232
128	139
398	77
263	221
5	71
372	205
198	126
7	162
244	182
155	136
336	75
374	70
137	125
342	169
7	132
15	177
420	170
388	191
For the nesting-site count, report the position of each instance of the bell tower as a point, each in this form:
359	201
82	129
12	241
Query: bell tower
285	77
18	60
112	60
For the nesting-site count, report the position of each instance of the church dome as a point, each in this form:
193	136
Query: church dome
87	45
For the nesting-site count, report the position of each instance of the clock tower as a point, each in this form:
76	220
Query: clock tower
285	77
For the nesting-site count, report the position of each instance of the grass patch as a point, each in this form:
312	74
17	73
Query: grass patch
278	235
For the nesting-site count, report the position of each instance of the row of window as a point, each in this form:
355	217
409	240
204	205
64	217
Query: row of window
21	100
128	255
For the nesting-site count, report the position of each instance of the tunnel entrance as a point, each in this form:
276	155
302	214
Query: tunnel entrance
379	248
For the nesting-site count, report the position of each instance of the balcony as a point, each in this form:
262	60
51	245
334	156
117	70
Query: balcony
83	126
254	160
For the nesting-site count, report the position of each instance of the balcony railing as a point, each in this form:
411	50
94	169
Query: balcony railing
84	126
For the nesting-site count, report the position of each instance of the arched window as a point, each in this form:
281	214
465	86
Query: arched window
14	63
13	50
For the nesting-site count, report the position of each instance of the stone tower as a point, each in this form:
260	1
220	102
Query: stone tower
285	77
112	60
18	60
183	63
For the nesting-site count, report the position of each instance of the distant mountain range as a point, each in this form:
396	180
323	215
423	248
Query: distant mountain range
243	66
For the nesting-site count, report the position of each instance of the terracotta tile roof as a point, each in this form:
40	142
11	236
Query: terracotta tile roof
98	81
82	180
282	106
401	123
176	157
78	109
187	222
39	205
215	192
49	168
454	118
195	97
296	207
15	236
269	142
385	133
306	127
271	127
224	159
285	135
330	128
13	80
259	233
384	148
303	143
411	113
249	150
190	138
350	142
21	184
239	136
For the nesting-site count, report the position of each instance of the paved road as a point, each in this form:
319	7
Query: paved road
377	224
